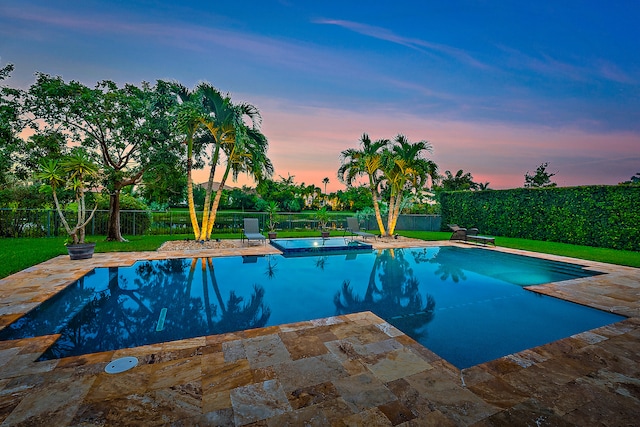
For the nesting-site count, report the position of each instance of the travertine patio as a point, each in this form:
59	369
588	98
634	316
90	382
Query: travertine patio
346	370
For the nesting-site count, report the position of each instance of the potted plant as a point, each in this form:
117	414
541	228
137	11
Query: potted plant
322	216
74	172
272	211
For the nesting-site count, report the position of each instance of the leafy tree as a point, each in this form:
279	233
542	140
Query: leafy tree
354	198
20	195
128	127
244	199
634	180
46	144
457	182
284	192
11	123
164	184
541	178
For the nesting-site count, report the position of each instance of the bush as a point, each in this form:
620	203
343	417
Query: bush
602	216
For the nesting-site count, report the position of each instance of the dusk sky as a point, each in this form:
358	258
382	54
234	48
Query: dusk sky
497	87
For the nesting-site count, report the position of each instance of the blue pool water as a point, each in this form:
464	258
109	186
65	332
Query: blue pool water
468	305
298	247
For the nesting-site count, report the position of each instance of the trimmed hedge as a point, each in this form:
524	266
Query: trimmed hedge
601	216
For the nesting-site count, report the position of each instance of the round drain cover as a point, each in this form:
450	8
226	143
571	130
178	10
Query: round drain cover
121	365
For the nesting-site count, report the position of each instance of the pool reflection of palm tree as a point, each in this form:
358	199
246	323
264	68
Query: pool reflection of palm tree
235	317
392	293
446	269
321	262
124	316
271	267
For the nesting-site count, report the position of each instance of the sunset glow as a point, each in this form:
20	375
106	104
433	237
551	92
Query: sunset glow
497	91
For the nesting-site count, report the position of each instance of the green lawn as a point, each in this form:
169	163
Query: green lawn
18	254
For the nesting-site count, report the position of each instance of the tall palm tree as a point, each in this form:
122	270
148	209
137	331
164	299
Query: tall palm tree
405	170
325	181
190	117
242	146
248	154
365	162
220	121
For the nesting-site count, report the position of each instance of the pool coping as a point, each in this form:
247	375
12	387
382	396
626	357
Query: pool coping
374	373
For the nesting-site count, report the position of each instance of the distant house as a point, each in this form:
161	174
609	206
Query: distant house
216	185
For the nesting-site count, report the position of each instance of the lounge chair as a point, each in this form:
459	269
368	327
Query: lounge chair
251	231
469	235
354	228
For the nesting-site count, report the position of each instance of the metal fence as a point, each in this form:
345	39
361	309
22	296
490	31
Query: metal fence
46	222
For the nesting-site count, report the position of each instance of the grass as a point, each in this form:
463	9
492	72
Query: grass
18	254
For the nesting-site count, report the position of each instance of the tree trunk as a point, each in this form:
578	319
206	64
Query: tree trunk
392	226
376	209
207	196
392	206
113	228
190	202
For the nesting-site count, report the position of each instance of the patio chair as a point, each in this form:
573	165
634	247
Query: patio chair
354	228
251	231
460	233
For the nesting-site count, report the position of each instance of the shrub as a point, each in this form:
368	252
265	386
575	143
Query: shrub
603	216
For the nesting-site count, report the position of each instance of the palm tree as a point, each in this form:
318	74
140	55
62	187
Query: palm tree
325	181
247	153
244	147
405	170
366	161
74	171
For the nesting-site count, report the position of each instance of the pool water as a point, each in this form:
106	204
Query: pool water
468	305
303	247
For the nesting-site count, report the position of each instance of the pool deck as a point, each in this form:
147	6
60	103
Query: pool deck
348	370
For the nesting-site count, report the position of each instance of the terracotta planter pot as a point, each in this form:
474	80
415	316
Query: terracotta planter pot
325	234
272	235
81	250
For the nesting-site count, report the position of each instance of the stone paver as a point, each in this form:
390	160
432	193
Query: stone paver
344	370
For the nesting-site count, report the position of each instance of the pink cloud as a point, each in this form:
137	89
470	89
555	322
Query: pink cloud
306	142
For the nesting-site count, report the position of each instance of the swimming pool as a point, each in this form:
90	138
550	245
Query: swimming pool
466	304
303	247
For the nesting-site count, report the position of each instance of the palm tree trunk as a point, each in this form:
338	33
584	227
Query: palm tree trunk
396	214
207	198
205	294
207	204
216	288
392	205
216	200
376	209
190	202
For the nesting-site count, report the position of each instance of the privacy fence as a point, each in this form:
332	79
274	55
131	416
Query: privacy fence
602	216
46	223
